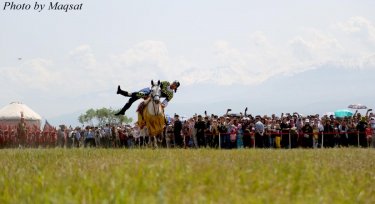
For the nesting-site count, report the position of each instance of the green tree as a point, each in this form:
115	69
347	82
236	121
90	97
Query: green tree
102	116
90	115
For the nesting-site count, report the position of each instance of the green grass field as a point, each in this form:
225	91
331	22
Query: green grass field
187	176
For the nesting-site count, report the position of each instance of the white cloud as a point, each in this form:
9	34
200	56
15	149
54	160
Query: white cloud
148	60
314	48
257	61
35	73
311	49
360	28
155	52
83	57
78	73
302	49
259	39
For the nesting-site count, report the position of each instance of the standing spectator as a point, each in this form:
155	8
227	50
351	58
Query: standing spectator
372	123
177	127
82	138
127	130
239	135
320	127
70	137
115	139
267	133
201	127
215	133
223	130
233	137
226	136
369	133
343	130
353	137
137	135
336	125
107	136
316	134
193	132
246	133
130	138
61	136
207	132
169	135
299	124
98	136
307	139
186	134
361	128
293	134
274	133
76	137
2	138
285	128
89	137
259	131
122	136
328	140
21	132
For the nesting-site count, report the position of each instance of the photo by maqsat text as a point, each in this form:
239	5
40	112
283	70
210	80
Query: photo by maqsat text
53	6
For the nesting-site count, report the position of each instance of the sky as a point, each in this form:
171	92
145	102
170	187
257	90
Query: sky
269	56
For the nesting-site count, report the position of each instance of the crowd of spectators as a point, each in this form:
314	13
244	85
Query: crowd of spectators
286	131
229	131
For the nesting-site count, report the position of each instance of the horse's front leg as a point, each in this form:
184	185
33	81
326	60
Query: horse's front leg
155	142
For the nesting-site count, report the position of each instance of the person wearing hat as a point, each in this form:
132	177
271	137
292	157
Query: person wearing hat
307	139
167	90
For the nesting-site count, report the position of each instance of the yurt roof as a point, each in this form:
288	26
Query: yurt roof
14	109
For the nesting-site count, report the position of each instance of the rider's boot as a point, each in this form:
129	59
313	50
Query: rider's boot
126	106
121	112
119	91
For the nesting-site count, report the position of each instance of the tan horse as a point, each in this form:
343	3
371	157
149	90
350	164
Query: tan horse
152	115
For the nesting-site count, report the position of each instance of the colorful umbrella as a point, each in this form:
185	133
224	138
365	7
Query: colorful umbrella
343	113
357	106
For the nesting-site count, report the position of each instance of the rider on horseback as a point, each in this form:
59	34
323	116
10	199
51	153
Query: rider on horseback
166	92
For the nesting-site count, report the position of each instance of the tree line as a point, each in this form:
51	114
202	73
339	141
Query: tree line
102	116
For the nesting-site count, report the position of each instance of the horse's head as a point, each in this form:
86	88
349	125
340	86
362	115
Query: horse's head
155	92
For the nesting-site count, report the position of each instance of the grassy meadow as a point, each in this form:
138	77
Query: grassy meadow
187	176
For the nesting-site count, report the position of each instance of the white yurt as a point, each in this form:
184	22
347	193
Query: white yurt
11	115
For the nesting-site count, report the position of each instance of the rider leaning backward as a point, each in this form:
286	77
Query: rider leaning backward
166	92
